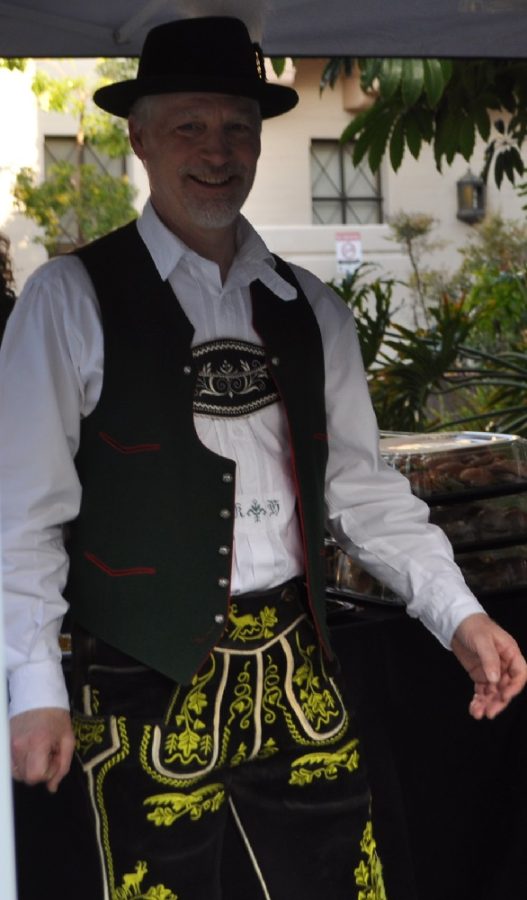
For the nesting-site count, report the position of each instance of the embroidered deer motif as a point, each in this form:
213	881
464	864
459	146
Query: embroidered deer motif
132	880
252	628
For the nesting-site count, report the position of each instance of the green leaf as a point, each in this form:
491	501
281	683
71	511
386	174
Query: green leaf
434	81
425	120
278	64
499	169
467	137
379	140
370	69
412	80
447	69
390	76
481	119
397	145
413	134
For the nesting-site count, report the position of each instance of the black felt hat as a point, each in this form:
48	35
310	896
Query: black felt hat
210	54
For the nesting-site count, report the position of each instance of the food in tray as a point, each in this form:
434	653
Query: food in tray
456	461
347	576
495	570
501	518
485	573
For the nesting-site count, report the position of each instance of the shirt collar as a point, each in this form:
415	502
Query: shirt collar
253	260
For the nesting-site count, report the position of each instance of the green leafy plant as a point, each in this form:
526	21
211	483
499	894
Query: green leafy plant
444	103
78	198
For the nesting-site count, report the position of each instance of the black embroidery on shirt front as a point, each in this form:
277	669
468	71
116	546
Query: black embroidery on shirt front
233	379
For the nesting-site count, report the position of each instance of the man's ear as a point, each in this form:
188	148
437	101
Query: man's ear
135	133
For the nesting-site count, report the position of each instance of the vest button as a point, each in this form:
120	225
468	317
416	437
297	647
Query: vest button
275	360
227	477
224	550
219	618
187	370
225	513
223	582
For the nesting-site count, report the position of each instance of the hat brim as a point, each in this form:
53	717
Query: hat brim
118	99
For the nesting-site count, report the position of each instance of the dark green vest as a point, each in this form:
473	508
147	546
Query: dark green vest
150	552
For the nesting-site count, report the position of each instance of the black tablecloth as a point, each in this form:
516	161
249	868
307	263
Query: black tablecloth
450	798
450	793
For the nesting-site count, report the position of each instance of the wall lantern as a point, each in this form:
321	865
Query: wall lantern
471	198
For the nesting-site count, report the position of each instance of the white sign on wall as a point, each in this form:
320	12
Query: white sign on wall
349	252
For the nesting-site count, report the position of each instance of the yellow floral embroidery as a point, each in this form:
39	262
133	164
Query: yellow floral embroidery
173	806
268	749
240	755
131	887
243	703
252	628
87	733
318	704
368	874
191	742
307	768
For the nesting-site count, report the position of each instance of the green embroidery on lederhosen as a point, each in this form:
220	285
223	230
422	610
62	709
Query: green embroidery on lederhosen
317	702
243	703
132	886
88	733
273	702
368	874
172	806
190	742
252	628
311	766
99	780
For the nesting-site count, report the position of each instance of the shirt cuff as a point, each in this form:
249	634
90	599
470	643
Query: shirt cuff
37	685
443	618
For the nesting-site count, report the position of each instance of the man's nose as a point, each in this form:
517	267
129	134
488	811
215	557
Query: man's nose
216	145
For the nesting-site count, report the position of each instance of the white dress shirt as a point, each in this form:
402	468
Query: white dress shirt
51	367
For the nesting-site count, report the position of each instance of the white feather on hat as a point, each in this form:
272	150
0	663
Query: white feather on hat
251	12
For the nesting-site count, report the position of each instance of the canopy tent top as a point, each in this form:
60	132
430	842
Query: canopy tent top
451	28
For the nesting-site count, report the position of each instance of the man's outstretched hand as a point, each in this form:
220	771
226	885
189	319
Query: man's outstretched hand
493	660
42	746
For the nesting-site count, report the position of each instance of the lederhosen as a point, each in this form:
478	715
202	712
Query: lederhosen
194	709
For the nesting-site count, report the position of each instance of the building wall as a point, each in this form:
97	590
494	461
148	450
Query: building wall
280	203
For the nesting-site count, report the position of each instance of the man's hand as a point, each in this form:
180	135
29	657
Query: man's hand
42	746
493	660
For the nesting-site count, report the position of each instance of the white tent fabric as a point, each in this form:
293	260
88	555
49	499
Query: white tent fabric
455	28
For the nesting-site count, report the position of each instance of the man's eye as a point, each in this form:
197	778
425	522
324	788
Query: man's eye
189	128
240	128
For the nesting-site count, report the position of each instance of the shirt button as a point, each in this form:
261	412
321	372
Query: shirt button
187	370
219	618
225	513
224	550
275	360
227	477
223	582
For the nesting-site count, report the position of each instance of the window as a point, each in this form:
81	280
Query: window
341	192
59	149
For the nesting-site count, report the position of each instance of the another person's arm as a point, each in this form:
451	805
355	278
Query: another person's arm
50	369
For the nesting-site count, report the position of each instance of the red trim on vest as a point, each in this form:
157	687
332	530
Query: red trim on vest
118	573
128	448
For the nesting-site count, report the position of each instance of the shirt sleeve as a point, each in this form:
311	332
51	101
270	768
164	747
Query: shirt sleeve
371	511
50	376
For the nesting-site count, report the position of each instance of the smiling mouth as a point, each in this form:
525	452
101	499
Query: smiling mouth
211	182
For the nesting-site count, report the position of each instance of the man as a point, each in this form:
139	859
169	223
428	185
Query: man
198	412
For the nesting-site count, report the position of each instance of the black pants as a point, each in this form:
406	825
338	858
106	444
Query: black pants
260	737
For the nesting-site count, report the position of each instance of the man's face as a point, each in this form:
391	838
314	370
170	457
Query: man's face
200	153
